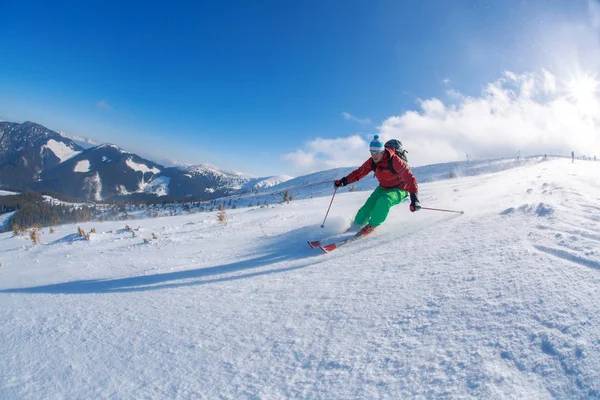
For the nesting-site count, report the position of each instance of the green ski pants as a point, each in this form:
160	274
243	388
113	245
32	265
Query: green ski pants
378	206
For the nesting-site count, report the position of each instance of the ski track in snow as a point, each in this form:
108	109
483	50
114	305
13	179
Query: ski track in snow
501	302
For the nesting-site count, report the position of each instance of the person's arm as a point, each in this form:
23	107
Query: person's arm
360	172
356	175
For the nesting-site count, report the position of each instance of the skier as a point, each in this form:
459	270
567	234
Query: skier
572	157
396	181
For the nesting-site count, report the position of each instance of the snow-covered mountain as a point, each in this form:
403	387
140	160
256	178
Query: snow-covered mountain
208	182
33	157
104	172
85	143
500	302
263	184
27	150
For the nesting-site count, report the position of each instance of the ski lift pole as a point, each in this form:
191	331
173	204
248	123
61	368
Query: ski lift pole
330	203
439	209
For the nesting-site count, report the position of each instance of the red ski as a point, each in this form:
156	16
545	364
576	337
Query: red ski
314	244
331	247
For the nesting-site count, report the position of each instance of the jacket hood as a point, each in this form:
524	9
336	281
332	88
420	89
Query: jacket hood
389	153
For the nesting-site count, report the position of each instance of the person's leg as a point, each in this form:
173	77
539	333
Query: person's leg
386	201
364	214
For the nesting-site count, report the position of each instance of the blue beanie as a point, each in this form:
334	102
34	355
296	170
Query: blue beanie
376	146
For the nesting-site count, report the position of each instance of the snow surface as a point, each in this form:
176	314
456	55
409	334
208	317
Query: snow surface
58	202
93	185
7	193
158	186
60	150
4	218
143	168
82	166
501	302
320	183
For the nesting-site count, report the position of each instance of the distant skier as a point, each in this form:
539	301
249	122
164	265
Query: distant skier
396	181
572	157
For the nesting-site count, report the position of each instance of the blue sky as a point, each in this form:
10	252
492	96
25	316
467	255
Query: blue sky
287	87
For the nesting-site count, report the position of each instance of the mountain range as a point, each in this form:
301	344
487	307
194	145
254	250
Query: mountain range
37	158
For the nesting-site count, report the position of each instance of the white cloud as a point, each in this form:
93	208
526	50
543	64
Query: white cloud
322	154
534	113
78	138
553	110
528	113
362	121
549	82
103	104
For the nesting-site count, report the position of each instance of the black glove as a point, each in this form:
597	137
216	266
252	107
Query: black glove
414	202
341	182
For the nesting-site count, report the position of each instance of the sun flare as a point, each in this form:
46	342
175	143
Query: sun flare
584	91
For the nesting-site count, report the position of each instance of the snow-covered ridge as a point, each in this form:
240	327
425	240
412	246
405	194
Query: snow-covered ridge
60	150
83	142
226	179
202	169
143	168
112	146
258	184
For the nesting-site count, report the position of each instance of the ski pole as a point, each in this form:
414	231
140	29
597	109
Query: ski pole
323	224
439	209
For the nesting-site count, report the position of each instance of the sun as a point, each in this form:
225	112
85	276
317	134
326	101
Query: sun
584	92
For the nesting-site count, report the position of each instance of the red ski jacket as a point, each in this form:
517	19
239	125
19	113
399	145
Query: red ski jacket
402	179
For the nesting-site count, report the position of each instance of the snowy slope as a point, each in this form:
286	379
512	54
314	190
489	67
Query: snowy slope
501	302
63	151
321	183
4	218
258	184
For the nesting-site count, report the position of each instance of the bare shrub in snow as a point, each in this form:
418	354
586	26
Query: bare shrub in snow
83	234
34	235
222	215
